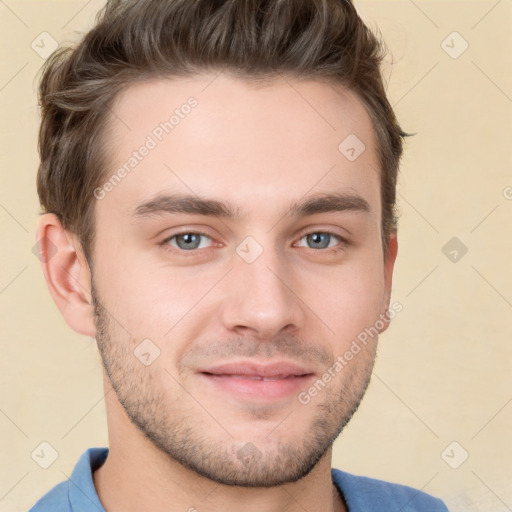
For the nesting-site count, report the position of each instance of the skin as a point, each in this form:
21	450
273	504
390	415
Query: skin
261	149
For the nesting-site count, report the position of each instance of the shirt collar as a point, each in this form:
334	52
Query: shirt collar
82	493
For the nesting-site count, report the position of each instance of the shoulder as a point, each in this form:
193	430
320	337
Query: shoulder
77	493
370	494
56	499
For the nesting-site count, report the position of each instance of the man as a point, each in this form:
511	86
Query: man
218	187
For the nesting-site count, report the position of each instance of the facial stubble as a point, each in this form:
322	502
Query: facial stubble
186	433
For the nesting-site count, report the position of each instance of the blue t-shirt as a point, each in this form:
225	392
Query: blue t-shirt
362	494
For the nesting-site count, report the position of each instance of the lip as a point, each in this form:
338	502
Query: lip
250	380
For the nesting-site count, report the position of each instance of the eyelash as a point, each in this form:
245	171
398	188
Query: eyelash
165	243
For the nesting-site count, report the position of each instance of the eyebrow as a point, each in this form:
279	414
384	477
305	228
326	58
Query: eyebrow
191	204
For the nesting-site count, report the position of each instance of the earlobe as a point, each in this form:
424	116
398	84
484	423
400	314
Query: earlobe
389	264
67	273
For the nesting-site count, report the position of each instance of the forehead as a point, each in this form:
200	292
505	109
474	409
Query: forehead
215	135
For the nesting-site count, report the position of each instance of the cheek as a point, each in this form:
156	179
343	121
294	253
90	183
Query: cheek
350	301
151	300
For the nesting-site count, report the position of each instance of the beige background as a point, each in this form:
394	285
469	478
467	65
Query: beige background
443	373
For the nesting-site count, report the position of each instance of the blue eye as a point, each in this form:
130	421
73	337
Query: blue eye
322	239
187	241
190	241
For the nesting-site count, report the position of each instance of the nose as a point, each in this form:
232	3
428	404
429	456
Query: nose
262	297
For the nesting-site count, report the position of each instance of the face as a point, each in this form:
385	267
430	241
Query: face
236	260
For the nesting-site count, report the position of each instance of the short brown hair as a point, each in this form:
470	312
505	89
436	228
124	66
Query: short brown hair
256	40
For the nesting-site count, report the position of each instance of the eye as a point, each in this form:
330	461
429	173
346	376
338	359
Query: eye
323	239
189	241
186	241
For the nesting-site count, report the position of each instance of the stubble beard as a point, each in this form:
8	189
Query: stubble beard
184	434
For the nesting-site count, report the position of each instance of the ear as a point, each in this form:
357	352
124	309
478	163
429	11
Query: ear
389	264
67	273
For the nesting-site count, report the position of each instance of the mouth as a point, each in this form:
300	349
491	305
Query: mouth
255	377
250	381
